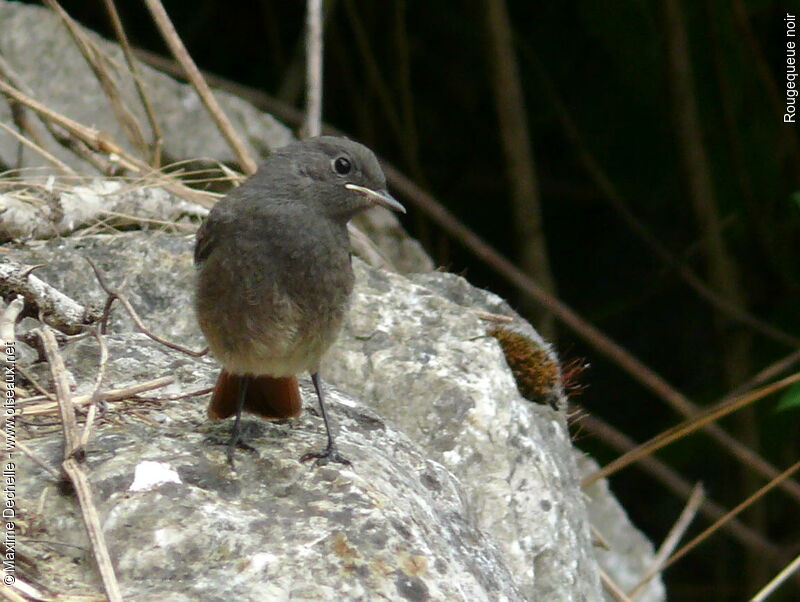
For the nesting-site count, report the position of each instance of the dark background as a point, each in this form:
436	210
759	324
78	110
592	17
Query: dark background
428	63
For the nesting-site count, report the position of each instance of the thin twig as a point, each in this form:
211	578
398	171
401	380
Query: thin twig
313	125
108	395
12	596
612	588
373	75
490	317
635	225
63	394
63	167
689	426
84	135
45	394
180	53
91	136
122	38
520	163
116	295
196	393
97	63
101	371
94	528
19	445
674	482
672	539
363	246
767	373
738	509
777	581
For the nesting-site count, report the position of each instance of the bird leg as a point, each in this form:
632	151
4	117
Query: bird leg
236	432
330	453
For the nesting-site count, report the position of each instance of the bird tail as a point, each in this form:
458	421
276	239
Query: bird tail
266	396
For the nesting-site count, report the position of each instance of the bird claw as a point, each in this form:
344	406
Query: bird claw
232	446
329	454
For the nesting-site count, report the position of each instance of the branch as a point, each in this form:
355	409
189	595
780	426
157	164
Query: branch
61	312
114	294
519	158
180	53
119	31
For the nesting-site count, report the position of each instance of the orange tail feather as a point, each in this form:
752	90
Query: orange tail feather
266	396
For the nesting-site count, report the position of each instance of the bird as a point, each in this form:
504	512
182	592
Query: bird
274	277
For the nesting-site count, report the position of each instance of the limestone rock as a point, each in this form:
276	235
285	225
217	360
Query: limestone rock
416	353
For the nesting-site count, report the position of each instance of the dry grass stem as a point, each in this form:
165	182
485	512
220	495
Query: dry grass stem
101	371
108	395
80	137
63	393
777	581
313	124
490	317
49	157
672	539
614	590
680	487
12	596
93	527
689	426
363	246
738	509
98	62
19	445
119	31
73	469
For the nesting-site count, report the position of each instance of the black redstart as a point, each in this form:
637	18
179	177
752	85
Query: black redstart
274	275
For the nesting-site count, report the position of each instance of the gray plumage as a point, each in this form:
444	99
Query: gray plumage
273	257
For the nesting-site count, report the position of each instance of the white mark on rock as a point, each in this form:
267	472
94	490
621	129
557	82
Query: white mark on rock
149	475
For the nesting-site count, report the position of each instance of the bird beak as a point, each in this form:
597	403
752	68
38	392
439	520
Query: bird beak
377	197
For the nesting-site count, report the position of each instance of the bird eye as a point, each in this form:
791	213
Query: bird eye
342	165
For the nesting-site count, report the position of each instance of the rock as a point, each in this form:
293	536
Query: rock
427	364
35	212
182	526
419	355
49	66
630	554
404	254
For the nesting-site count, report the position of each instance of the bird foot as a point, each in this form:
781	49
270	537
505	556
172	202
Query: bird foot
329	454
232	446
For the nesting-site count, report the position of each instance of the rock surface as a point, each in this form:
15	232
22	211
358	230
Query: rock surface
415	352
182	526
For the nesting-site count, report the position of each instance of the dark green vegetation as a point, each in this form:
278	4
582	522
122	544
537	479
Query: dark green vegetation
690	136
